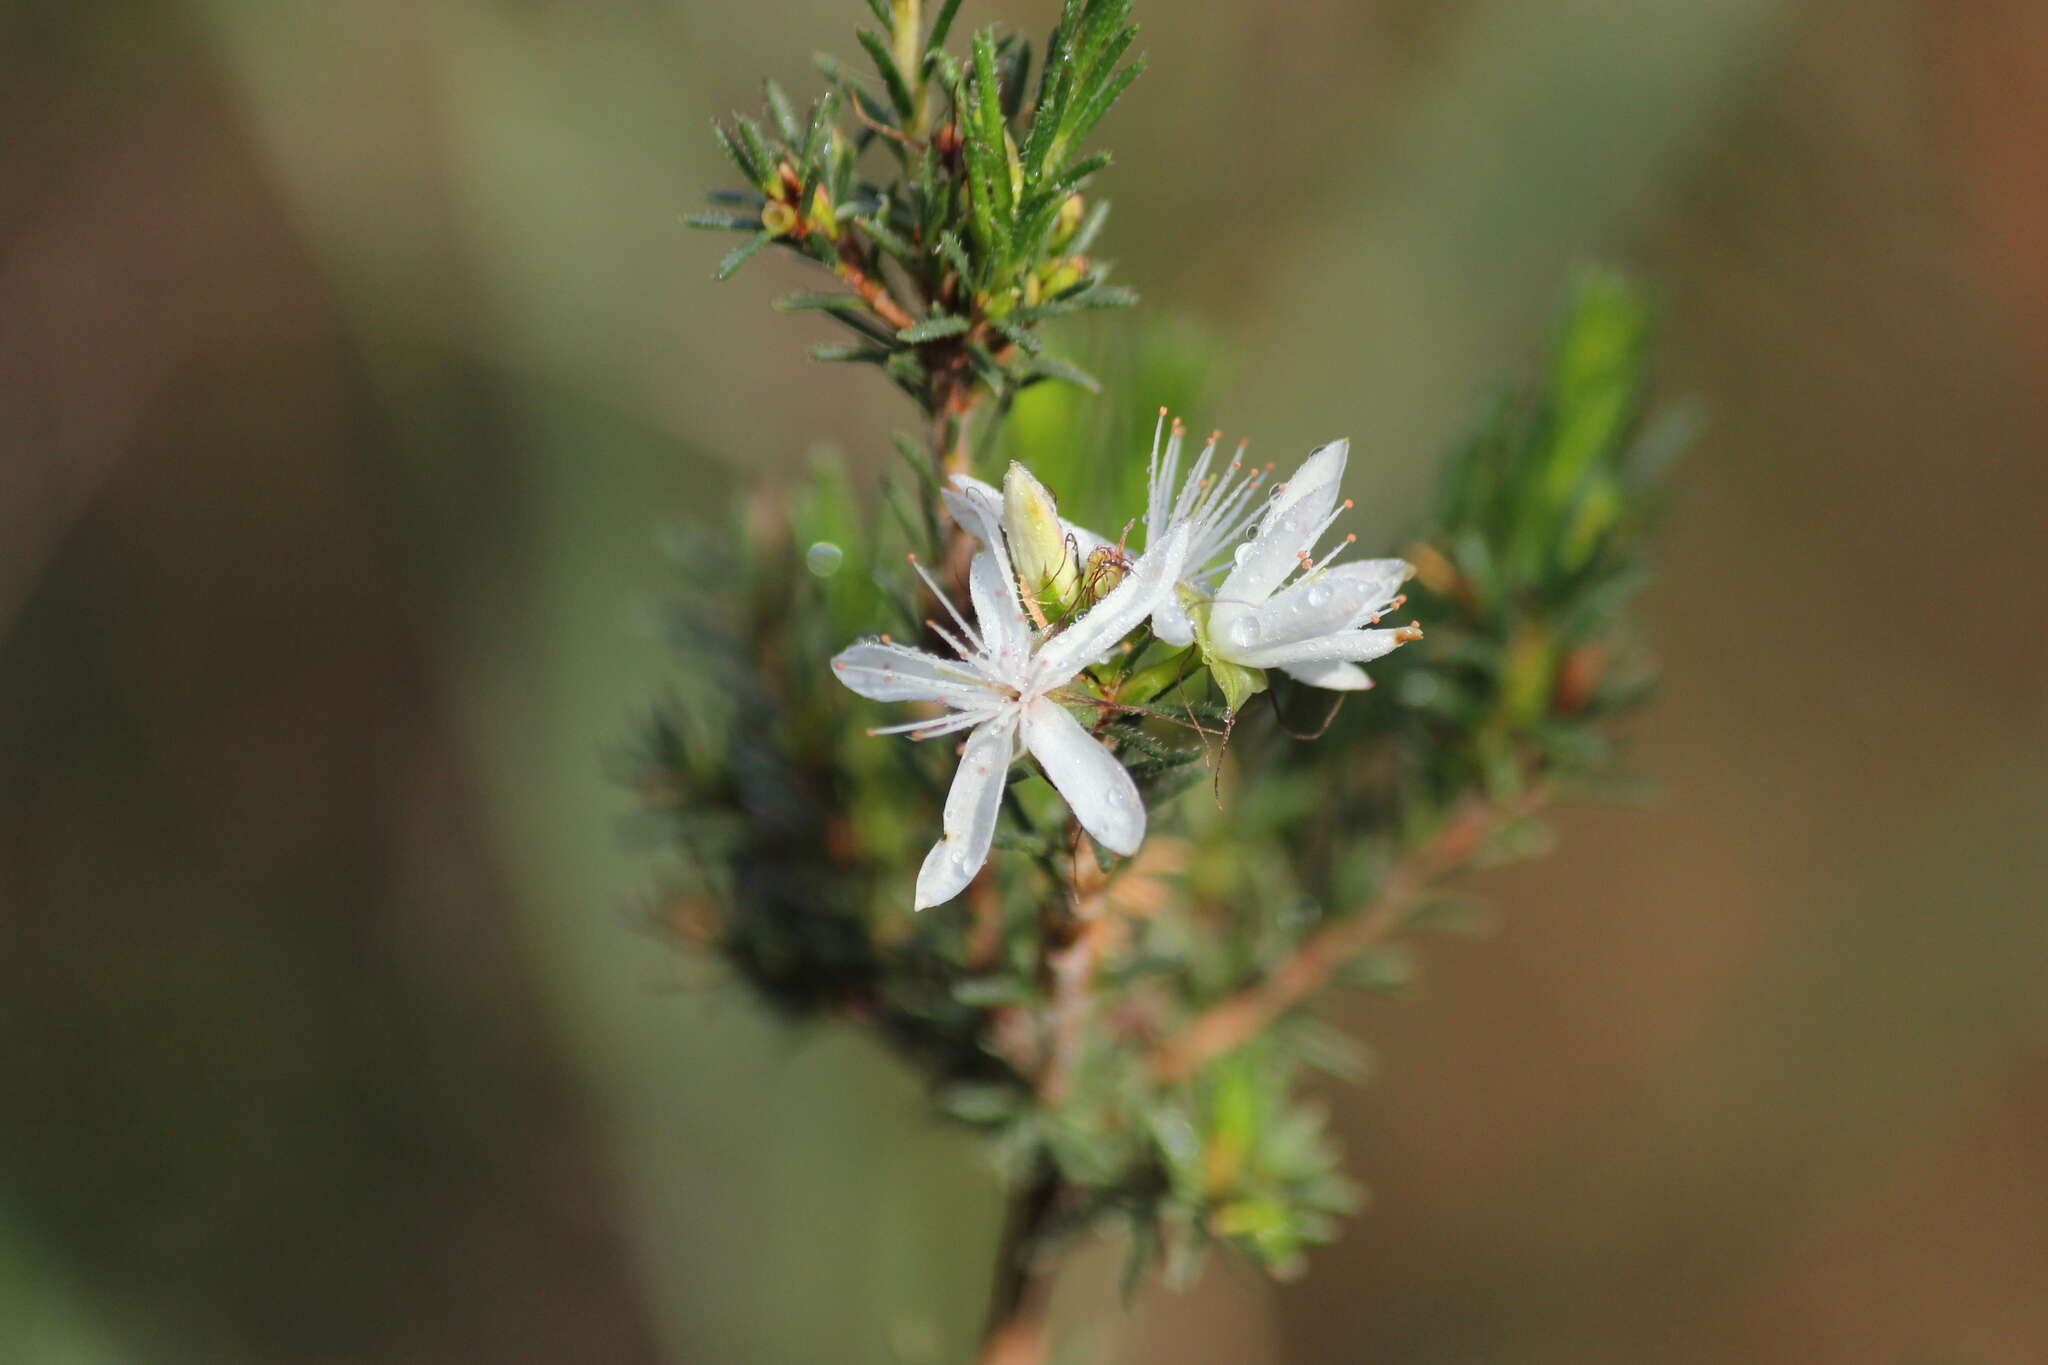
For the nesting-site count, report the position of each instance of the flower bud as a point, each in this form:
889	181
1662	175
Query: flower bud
1069	221
1046	569
778	217
1065	274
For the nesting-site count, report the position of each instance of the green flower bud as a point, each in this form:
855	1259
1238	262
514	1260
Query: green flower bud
1047	570
1069	221
1065	274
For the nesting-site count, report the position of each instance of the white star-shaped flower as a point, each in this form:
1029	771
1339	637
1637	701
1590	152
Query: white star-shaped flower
1001	689
1314	627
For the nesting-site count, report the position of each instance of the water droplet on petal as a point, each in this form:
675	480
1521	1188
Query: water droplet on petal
1243	553
1251	532
1243	632
824	558
1116	796
1319	594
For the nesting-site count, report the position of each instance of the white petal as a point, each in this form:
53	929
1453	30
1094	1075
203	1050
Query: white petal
1324	465
999	617
1358	646
1288	529
1096	788
1335	599
1337	676
891	672
970	818
1171	622
1116	615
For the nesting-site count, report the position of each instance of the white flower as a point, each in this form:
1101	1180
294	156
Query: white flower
1215	509
1000	690
1312	628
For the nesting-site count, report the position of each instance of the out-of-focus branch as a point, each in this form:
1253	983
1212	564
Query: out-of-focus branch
1239	1017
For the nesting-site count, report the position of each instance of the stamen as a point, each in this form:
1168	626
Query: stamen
980	646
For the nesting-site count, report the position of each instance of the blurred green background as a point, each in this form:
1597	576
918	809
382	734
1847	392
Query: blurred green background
355	371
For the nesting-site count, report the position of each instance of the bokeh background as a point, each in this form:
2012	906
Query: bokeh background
356	373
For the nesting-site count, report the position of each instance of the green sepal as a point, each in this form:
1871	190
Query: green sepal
1237	682
1153	679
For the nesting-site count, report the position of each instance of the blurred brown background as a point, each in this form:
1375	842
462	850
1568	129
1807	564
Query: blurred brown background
354	370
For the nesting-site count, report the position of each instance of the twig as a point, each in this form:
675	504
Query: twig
871	289
1239	1017
1070	960
1015	1330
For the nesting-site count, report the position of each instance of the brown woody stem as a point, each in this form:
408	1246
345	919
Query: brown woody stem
1239	1017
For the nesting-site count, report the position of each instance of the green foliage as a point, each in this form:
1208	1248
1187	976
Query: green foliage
945	195
800	834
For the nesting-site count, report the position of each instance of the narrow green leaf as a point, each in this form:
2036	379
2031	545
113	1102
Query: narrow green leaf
988	108
1068	178
886	238
990	227
809	302
885	67
1098	104
724	222
849	353
741	155
780	111
860	324
815	136
1015	71
1053	367
942	25
933	328
1022	336
740	254
956	256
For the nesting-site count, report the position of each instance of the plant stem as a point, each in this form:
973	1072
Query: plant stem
1016	1330
1239	1017
851	269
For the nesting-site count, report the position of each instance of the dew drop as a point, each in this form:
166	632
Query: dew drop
1242	553
1116	796
823	559
1251	532
1244	632
1319	594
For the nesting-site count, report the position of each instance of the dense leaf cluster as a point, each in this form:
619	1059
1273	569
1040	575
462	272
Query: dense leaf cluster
945	196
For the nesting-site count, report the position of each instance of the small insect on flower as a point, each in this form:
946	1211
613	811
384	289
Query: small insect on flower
999	688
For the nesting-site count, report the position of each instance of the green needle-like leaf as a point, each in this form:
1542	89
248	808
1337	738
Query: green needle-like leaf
885	67
932	329
740	254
